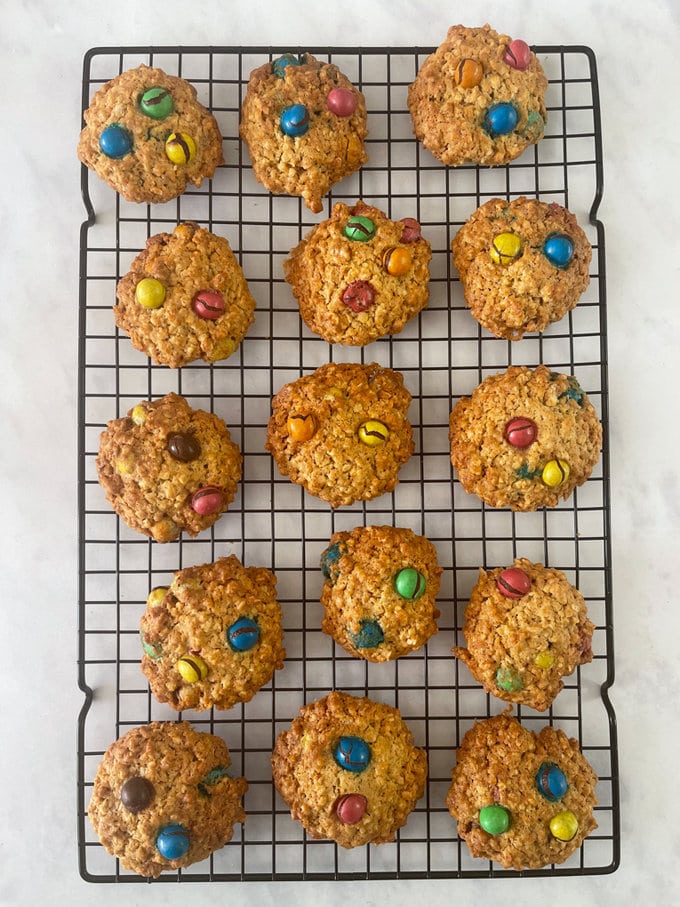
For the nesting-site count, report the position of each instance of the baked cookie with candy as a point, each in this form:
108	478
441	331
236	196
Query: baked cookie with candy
163	797
479	98
304	124
167	468
523	264
348	770
359	275
147	136
213	637
342	432
185	298
380	590
522	799
526	627
525	438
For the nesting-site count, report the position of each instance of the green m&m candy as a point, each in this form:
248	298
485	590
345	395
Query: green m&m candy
494	819
156	103
359	228
410	583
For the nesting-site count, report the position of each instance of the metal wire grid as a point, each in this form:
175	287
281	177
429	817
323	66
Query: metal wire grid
442	354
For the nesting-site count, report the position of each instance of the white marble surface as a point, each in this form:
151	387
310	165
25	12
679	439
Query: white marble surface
41	48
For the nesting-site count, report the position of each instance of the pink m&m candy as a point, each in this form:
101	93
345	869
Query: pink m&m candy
206	500
517	54
350	808
208	304
513	582
521	432
342	102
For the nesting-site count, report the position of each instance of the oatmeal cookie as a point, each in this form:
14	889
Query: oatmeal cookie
526	627
521	799
185	298
213	637
523	264
342	432
147	136
348	770
304	124
525	438
479	98
380	591
167	468
163	797
359	275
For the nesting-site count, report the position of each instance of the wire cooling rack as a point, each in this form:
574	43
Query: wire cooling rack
442	354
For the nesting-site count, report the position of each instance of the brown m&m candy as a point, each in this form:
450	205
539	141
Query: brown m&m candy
183	446
136	794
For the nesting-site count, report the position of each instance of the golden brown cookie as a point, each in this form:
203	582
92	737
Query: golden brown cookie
478	98
359	275
213	637
304	124
342	432
167	468
185	298
525	438
163	797
526	627
380	591
348	770
522	799
523	264
147	136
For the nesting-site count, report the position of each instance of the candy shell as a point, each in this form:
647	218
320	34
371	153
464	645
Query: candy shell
359	296
544	660
468	73
551	782
329	561
409	583
156	103
558	248
222	349
369	636
359	228
564	825
136	794
154	652
243	635
180	148
517	54
500	119
521	432
294	120
494	819
156	596
115	141
150	293
555	473
508	680
352	754
397	261
192	668
350	808
279	65
341	101
138	414
173	842
183	446
505	248
513	582
206	500
208	304
411	231
301	428
373	433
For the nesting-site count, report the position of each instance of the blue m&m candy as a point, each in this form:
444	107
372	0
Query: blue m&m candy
295	120
279	65
352	754
173	842
115	141
243	635
500	119
329	561
369	636
551	782
559	250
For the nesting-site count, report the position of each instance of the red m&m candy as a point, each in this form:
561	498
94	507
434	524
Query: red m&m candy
513	583
520	432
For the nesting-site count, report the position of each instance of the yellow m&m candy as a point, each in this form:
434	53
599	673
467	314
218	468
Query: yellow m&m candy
192	668
555	473
544	660
505	248
150	293
180	148
564	825
373	433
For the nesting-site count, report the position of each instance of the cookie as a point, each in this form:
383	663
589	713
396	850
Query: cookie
147	136
213	637
163	797
380	591
523	264
342	432
525	438
348	770
304	124
479	98
526	627
185	298
521	799
359	275
167	468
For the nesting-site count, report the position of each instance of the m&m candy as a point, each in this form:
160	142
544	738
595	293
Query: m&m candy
173	842
156	103
243	634
468	73
513	582
183	446
192	668
351	808
301	428
369	636
359	296
397	261
341	101
551	782
559	250
505	248
373	433
564	826
555	473
115	141
208	304
136	794
150	293
517	54
359	228
500	119
206	500
521	432
352	754
494	819
508	680
410	583
294	120
180	148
